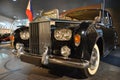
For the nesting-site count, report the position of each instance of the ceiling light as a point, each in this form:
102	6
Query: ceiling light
37	14
14	0
64	10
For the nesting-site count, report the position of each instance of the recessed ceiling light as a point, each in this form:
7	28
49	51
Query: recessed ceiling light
14	0
15	17
64	10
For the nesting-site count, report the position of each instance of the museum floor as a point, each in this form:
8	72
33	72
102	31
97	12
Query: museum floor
11	68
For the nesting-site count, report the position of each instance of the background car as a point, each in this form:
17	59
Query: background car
5	37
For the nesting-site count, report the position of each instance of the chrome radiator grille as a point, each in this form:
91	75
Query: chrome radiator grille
40	36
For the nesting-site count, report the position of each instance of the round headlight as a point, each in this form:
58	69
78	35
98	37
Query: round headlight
24	35
63	34
27	35
65	51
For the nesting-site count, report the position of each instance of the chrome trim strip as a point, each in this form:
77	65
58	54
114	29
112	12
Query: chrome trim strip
83	64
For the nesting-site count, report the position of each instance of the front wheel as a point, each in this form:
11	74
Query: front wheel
94	62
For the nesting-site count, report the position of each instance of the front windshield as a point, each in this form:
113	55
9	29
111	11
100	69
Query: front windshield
88	14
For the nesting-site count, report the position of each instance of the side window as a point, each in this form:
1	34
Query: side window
107	19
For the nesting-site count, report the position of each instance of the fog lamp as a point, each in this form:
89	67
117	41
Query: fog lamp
18	45
65	51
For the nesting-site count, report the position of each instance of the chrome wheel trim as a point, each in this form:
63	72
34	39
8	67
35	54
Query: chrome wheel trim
94	61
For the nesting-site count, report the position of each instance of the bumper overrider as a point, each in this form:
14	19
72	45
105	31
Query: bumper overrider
46	59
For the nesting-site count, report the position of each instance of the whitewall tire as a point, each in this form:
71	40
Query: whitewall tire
94	62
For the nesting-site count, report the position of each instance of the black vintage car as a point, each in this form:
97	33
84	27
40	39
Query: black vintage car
21	36
78	40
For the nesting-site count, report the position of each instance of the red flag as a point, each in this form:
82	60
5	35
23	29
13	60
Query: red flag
29	12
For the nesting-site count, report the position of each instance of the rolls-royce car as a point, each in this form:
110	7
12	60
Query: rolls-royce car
78	40
21	37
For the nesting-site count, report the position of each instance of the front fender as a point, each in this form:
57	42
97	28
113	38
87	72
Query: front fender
89	39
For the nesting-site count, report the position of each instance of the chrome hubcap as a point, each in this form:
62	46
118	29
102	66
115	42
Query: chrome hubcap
94	59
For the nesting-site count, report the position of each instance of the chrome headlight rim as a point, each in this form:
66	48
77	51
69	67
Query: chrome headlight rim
24	35
63	34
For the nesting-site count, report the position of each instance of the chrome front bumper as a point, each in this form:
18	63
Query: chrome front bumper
60	61
45	59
